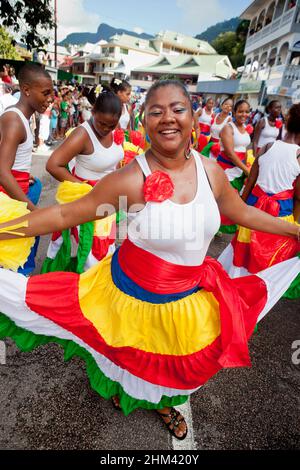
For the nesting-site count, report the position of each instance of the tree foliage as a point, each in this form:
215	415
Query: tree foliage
7	48
214	31
28	18
232	44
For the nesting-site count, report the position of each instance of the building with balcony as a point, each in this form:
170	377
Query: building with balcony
129	56
189	68
272	65
172	43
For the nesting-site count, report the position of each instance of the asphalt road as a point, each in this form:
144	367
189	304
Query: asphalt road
46	403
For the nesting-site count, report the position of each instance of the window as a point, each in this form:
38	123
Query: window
111	49
124	51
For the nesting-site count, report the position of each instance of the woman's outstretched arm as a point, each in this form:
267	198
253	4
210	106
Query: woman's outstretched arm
232	206
102	201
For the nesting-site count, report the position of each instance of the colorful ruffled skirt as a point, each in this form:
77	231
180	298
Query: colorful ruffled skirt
33	192
79	248
251	251
149	331
236	178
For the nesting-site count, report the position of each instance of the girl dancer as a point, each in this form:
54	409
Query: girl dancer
274	187
94	154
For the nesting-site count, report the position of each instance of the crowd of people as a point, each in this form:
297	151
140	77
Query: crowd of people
153	318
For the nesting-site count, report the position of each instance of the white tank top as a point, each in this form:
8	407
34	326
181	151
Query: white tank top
241	141
278	167
268	134
24	151
99	163
178	233
206	118
125	118
216	128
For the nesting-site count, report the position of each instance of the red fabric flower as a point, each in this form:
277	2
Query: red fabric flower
202	142
215	150
129	156
137	139
278	123
249	129
119	136
158	187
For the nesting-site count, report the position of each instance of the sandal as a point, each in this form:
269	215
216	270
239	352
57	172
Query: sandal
116	404
175	421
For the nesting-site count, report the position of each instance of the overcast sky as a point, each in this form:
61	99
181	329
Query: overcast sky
151	16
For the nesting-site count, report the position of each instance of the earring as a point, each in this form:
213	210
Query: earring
187	153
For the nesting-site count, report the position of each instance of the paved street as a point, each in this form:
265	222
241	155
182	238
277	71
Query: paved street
48	404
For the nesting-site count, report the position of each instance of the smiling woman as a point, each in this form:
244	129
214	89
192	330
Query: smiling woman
158	319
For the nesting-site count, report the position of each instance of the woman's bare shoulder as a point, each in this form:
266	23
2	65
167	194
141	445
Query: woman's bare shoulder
127	181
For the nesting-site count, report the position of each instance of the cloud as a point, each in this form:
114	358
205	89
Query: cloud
198	17
138	30
72	17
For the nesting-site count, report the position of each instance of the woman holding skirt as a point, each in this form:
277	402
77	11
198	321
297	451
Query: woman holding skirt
235	140
157	319
274	187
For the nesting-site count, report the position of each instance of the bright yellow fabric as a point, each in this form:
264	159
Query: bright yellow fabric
132	148
244	234
250	157
69	131
103	226
13	253
191	323
69	191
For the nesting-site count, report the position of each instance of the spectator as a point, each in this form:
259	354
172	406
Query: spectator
7	99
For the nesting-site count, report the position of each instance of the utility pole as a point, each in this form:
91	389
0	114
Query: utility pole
55	33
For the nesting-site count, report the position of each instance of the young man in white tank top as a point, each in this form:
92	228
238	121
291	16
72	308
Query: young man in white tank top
17	141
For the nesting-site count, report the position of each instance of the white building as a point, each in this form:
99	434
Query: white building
116	57
272	66
125	55
190	69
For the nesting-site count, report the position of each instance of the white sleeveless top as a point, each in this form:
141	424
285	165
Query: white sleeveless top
24	151
205	118
241	141
268	134
216	128
178	233
99	163
125	118
278	167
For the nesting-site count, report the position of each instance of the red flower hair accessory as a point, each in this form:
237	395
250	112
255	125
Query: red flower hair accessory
158	187
137	139
249	129
278	123
129	155
119	136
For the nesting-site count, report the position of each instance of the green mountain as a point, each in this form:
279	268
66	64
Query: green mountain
104	31
213	32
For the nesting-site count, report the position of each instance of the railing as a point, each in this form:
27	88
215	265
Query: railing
286	19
